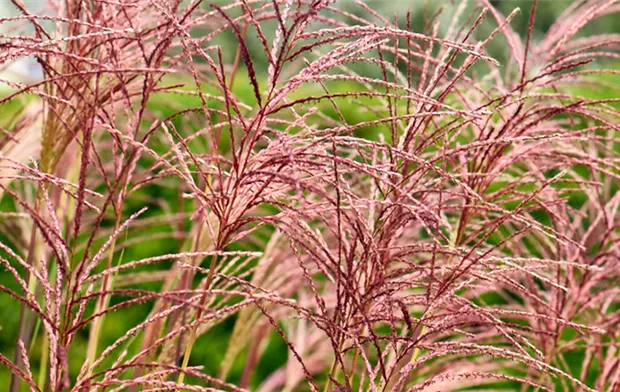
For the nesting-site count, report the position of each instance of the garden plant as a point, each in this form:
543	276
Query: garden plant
293	195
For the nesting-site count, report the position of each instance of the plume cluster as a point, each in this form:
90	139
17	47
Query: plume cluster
395	207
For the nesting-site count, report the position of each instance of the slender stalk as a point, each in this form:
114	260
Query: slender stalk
27	317
102	304
192	336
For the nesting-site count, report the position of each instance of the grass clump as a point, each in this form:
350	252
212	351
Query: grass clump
283	195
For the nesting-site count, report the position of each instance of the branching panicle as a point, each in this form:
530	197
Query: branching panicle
388	208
